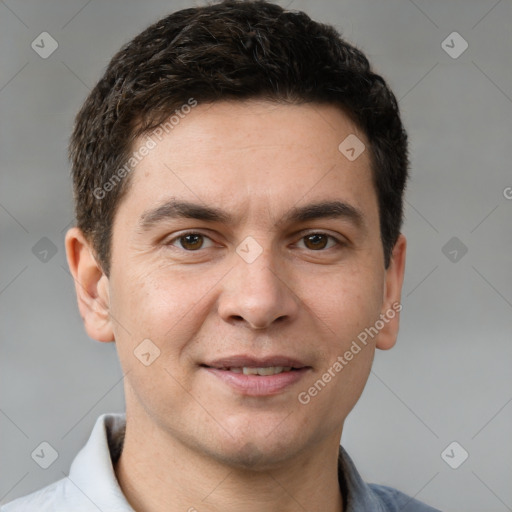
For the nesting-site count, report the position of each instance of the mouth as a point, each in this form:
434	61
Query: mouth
262	371
258	377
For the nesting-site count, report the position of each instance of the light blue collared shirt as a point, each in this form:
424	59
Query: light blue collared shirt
92	484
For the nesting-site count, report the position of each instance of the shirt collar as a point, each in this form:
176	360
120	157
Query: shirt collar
357	495
92	470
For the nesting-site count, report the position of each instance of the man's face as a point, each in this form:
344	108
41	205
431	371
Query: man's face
260	289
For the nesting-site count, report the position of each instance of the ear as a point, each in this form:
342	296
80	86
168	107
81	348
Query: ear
91	286
391	305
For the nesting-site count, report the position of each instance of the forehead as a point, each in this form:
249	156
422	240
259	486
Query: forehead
254	156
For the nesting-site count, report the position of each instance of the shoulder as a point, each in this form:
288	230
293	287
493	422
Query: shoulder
362	496
48	498
91	484
60	496
396	501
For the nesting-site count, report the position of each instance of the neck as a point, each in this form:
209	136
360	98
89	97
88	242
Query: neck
156	472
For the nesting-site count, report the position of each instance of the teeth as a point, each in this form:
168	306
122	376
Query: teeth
270	370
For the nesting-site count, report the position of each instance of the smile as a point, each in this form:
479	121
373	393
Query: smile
258	381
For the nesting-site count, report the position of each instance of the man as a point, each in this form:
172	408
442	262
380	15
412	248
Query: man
238	173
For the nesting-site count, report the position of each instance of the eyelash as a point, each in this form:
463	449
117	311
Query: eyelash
338	242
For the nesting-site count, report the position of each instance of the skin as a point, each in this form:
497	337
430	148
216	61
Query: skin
192	442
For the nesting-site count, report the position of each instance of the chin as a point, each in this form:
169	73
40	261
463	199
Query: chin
252	457
257	451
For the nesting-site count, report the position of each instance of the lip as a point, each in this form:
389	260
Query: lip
257	385
240	361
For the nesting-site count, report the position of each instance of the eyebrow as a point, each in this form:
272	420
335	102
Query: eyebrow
178	209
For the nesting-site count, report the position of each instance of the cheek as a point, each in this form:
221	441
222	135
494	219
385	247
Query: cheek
154	315
347	303
151	302
163	306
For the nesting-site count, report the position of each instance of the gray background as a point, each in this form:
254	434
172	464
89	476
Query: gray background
448	379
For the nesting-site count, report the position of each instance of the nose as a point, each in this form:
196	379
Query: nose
258	293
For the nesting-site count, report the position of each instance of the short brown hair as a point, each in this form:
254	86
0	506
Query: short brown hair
230	50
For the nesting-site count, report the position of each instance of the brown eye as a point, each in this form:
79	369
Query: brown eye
315	241
190	241
318	241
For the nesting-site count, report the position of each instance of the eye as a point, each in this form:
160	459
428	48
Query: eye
318	241
190	241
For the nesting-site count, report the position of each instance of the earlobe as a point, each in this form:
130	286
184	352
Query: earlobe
91	286
391	305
